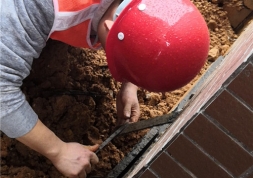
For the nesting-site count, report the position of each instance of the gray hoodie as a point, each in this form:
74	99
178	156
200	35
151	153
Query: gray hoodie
25	26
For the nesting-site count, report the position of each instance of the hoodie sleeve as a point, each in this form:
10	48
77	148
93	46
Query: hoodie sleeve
25	25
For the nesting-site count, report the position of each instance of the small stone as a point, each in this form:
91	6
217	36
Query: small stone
224	49
213	54
212	25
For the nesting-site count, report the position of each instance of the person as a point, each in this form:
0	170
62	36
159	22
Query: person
148	43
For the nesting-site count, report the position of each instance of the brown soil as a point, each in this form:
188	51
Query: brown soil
89	119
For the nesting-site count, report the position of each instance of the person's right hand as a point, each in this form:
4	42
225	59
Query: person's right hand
71	159
75	160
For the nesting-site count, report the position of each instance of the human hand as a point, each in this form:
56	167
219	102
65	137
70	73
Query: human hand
71	159
127	104
75	160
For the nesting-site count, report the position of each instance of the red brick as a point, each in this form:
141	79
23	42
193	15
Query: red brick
147	174
194	160
219	145
234	116
242	85
165	167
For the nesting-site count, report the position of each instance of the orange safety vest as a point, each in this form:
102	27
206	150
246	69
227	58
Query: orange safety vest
72	23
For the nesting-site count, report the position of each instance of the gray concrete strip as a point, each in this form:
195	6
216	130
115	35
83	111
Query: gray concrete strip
134	155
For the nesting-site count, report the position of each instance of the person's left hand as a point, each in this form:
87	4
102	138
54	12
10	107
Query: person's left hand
127	104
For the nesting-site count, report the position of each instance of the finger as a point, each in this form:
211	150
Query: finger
135	116
127	111
123	116
92	148
87	168
135	113
94	159
82	174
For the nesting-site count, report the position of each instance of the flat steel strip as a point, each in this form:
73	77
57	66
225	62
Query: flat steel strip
143	124
109	139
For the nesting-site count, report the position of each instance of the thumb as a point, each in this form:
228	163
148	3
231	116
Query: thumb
127	111
134	118
92	148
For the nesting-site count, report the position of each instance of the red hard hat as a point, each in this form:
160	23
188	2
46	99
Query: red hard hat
159	45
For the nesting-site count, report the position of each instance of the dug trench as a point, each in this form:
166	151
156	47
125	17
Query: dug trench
89	117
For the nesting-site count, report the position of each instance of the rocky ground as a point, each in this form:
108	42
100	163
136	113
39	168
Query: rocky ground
89	118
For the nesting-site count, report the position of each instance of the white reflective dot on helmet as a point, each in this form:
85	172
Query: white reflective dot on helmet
121	36
142	7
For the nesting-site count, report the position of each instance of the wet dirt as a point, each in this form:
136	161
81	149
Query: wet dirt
89	118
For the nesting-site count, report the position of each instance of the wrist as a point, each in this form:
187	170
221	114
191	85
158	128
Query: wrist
54	150
129	85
